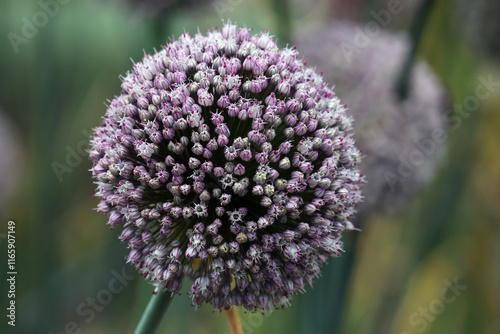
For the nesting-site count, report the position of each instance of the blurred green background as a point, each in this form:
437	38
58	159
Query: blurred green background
54	81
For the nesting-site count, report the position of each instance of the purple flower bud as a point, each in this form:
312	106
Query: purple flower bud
205	98
222	140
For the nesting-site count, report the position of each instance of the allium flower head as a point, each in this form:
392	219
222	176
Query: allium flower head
228	161
397	136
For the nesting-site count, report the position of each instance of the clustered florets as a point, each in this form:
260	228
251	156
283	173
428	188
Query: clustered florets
226	160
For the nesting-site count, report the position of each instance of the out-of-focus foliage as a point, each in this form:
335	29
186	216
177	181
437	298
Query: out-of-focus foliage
54	88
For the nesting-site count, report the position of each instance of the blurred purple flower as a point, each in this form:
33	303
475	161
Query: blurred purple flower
396	136
226	160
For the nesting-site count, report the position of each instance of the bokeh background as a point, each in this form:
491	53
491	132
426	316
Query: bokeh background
54	80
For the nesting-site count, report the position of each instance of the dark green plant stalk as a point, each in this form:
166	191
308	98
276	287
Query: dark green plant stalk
160	27
440	202
416	29
282	10
153	315
45	208
323	305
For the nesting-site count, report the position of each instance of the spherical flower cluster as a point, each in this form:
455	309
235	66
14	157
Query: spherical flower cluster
228	161
480	20
398	137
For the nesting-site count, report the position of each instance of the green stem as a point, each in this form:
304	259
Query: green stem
416	29
153	315
322	306
282	10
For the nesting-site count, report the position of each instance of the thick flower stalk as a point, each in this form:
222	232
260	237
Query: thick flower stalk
402	139
227	160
